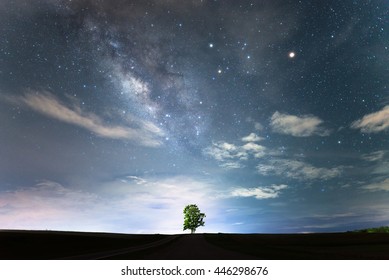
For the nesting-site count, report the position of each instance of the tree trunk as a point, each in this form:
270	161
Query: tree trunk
192	230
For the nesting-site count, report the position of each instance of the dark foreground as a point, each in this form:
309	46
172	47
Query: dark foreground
44	245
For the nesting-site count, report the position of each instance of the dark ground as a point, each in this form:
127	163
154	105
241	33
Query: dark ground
44	245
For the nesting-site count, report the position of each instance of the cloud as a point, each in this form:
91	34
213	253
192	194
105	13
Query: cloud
252	137
374	156
258	126
156	204
378	161
374	122
223	151
131	204
298	170
47	204
136	179
303	126
258	151
231	156
144	133
379	186
259	192
231	165
382	168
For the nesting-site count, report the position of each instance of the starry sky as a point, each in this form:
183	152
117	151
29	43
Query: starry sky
271	116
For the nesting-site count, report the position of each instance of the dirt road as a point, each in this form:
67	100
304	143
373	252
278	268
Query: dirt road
194	247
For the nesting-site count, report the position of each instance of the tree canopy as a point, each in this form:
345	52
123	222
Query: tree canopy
193	218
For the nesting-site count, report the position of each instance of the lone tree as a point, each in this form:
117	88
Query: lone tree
193	218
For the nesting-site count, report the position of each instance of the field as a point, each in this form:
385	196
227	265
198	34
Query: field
44	245
59	244
319	246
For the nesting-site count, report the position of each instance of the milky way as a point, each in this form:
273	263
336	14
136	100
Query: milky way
272	116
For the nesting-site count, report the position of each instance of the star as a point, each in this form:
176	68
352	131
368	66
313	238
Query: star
292	54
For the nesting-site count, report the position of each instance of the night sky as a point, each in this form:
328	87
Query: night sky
271	116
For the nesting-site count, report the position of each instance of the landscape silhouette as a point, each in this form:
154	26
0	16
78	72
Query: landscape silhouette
46	245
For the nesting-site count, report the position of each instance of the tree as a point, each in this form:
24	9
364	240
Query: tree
193	218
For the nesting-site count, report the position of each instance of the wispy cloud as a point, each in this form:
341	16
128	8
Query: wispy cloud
378	161
136	179
382	168
257	125
272	191
303	126
144	133
231	165
374	122
379	186
298	170
374	156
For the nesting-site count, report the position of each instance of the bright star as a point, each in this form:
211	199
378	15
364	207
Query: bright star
292	54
